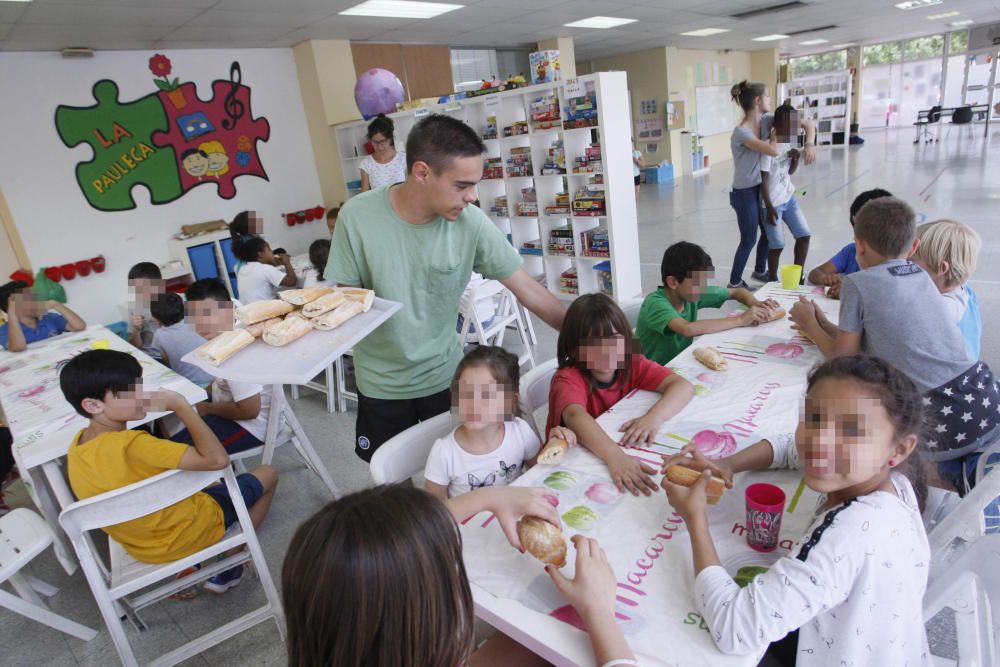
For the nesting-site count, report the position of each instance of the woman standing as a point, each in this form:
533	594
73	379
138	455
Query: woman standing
386	165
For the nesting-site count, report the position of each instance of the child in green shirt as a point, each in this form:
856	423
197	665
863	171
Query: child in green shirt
668	319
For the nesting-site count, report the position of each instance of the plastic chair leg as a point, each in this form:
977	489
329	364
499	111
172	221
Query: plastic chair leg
37	611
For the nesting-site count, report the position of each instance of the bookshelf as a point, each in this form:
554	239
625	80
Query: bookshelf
557	178
825	99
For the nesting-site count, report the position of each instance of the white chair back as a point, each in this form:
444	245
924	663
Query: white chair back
534	393
506	312
404	455
631	310
975	515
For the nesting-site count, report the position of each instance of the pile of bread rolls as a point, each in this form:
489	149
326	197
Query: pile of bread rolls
281	321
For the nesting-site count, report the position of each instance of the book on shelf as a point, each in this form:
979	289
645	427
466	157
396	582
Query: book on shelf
519	162
595	242
568	282
561	242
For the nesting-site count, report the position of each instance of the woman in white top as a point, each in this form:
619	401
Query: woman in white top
385	166
852	594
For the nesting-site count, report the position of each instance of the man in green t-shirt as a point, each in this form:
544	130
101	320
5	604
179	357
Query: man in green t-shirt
668	319
418	242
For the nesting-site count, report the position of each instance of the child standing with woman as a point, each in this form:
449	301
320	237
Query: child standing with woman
599	365
853	592
492	446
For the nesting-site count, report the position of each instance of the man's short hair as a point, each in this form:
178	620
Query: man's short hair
439	139
888	225
94	373
682	259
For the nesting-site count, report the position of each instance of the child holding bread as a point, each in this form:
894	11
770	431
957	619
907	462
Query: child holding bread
237	412
668	319
491	445
864	555
599	365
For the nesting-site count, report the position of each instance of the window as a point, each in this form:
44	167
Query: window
470	67
959	41
923	47
821	62
881	54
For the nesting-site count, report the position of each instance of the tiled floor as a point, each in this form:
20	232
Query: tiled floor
957	179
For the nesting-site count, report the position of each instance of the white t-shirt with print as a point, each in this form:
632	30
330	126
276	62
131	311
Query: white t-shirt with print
227	391
256	281
450	465
390	173
779	183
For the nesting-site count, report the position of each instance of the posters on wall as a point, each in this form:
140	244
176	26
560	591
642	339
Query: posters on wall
169	141
649	125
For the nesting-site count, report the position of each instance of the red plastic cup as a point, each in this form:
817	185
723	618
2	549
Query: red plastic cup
68	271
98	264
83	267
53	273
765	505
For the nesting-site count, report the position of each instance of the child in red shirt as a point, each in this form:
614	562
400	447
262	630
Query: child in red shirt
598	368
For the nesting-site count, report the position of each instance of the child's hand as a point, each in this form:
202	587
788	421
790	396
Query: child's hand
640	431
510	503
833	291
592	590
564	433
692	457
770	304
631	474
803	315
772	216
164	400
754	316
51	304
830	279
691	501
138	319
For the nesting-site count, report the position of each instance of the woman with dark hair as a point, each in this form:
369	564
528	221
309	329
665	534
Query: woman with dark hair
386	165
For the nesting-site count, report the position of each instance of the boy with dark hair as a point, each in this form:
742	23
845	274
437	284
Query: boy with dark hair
29	319
174	338
778	193
892	309
105	386
418	242
145	283
237	412
844	263
668	319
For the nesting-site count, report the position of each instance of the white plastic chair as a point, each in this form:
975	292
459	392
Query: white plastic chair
631	310
971	589
24	535
120	586
283	427
507	313
403	456
336	400
534	393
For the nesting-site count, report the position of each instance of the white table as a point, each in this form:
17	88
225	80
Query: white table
511	591
43	423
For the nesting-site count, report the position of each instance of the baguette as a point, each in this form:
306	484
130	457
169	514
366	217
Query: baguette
290	329
256	330
542	540
258	311
711	358
360	294
552	451
300	297
338	316
324	304
224	346
776	315
681	474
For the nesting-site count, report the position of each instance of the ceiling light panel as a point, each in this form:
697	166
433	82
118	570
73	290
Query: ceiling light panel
600	22
770	38
400	9
705	32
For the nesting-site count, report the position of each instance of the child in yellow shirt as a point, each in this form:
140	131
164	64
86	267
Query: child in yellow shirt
106	387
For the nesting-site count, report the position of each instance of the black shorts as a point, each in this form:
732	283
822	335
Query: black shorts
637	179
380	419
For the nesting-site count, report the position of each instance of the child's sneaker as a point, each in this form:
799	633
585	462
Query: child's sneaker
190	592
740	284
762	276
223	581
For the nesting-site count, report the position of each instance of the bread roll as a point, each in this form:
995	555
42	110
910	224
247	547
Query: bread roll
542	540
258	311
323	304
360	294
776	315
681	474
711	358
224	346
290	329
552	451
256	330
300	297
338	316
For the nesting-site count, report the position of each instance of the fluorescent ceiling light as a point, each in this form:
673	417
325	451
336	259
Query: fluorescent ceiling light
842	46
770	38
957	24
15	0
813	42
599	22
917	4
945	15
705	32
400	9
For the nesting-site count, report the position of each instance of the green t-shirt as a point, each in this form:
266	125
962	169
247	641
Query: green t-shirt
658	341
424	267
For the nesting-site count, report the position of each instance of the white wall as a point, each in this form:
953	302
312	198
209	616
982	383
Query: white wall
56	223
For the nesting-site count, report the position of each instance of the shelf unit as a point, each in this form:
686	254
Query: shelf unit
206	256
610	92
832	93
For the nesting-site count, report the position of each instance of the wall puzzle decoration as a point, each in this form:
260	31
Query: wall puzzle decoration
169	141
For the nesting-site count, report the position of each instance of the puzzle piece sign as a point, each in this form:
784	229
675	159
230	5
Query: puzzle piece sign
169	141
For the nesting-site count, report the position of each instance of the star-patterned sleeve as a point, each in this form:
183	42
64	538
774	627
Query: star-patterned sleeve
965	414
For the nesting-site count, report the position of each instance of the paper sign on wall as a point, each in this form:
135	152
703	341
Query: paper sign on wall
169	141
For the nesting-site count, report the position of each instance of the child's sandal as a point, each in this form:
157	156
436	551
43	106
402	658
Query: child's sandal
190	592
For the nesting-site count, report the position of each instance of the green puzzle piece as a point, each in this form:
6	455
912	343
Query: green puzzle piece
124	153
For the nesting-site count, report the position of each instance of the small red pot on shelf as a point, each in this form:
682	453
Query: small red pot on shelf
53	273
290	218
83	267
98	264
68	271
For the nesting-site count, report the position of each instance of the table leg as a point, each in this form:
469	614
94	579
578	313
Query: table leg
306	451
273	421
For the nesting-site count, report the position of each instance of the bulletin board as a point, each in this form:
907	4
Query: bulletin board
715	110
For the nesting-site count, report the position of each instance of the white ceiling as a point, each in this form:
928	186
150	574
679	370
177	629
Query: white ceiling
179	24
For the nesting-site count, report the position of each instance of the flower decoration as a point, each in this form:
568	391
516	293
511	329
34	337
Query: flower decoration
160	66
